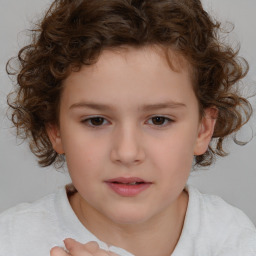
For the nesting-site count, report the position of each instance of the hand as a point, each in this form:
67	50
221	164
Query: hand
77	249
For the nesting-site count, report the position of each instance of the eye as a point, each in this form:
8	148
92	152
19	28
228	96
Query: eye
160	120
95	121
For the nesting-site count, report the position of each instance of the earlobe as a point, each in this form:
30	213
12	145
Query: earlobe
53	132
206	130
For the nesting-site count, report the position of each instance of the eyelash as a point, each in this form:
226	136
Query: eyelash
87	121
167	121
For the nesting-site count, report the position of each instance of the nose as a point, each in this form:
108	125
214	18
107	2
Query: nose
127	147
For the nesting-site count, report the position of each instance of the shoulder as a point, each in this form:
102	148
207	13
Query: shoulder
219	225
26	214
27	210
20	223
215	208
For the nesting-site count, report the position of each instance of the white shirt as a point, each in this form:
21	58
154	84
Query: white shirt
211	228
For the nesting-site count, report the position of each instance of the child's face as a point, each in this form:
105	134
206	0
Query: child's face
148	129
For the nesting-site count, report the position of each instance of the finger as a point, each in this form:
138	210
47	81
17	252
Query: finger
57	251
92	247
104	253
101	253
113	254
77	249
72	244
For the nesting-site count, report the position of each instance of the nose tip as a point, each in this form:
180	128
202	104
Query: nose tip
127	150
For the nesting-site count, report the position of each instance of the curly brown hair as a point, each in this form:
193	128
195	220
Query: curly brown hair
75	32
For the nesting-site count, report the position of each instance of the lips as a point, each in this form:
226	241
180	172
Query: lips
128	187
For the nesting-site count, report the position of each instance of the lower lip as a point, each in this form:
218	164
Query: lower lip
128	190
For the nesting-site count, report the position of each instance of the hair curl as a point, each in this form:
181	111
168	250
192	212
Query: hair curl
75	32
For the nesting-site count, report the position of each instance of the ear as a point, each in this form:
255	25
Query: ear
205	131
53	132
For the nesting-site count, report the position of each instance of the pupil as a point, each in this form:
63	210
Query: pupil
158	120
97	121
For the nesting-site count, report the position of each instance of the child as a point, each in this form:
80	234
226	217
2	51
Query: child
128	94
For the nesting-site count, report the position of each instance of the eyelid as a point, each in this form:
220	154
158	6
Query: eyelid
167	118
89	118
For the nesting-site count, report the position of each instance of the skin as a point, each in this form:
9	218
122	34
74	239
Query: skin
76	248
129	142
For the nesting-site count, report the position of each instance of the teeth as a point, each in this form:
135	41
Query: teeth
133	183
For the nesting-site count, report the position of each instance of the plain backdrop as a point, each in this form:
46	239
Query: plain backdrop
232	177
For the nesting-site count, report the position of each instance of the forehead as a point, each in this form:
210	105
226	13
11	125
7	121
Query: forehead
129	76
145	55
154	58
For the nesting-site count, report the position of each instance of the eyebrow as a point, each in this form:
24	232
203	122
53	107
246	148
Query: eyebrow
147	107
163	106
91	106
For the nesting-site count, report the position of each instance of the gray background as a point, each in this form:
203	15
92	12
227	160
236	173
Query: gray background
233	177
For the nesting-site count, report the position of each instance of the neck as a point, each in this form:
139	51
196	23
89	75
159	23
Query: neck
159	234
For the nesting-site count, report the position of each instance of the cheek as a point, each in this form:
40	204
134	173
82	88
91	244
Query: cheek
173	157
84	155
173	163
85	168
174	150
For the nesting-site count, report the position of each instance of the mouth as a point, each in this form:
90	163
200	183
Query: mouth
128	187
130	183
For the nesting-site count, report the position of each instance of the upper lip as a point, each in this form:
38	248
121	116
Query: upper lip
127	180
